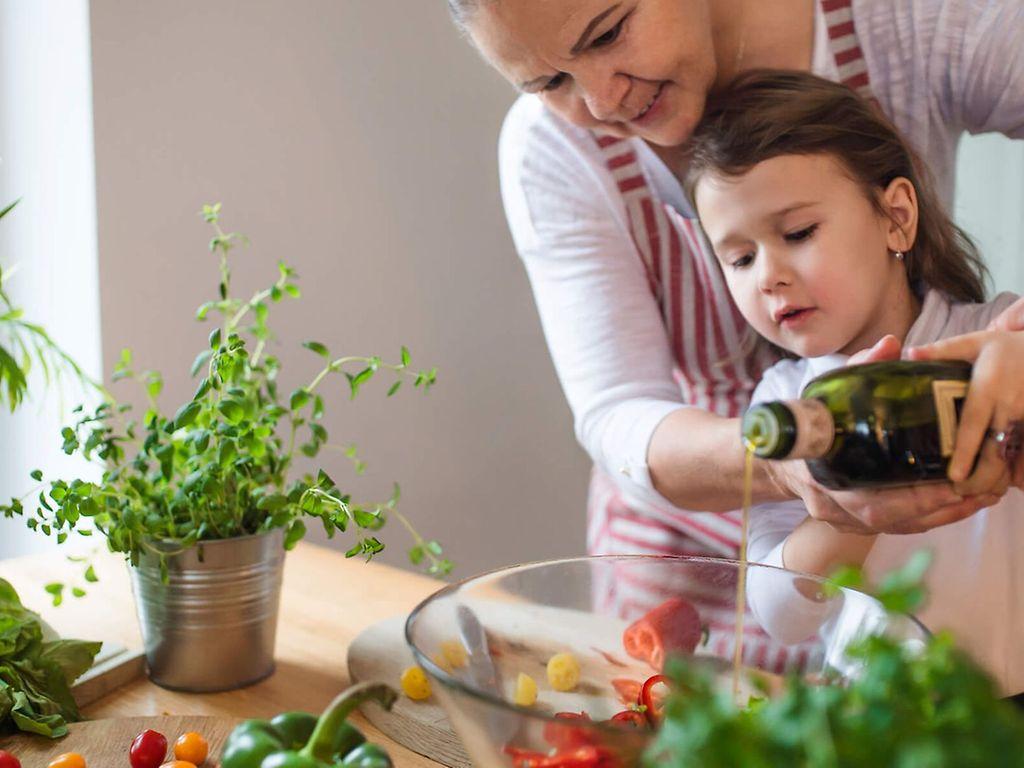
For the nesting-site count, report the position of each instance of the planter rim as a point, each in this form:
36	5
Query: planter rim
169	543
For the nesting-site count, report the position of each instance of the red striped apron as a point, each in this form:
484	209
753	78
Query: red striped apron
706	331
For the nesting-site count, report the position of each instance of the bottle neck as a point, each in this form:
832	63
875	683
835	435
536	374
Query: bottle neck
790	429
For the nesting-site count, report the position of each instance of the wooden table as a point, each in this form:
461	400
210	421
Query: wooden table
326	601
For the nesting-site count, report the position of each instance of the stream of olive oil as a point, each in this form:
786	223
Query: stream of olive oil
741	581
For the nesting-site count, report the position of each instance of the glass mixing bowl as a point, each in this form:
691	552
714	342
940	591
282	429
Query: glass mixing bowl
476	637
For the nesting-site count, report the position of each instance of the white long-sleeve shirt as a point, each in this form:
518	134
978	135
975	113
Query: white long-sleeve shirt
976	581
937	67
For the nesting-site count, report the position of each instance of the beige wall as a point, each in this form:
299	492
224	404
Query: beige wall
356	140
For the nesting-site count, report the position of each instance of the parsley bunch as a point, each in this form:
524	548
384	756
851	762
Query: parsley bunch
929	707
223	464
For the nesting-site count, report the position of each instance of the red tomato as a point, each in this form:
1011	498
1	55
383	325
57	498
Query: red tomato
7	760
148	750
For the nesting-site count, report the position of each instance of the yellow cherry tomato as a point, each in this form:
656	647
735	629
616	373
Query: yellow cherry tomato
442	662
67	760
191	747
454	653
563	672
178	764
415	684
526	691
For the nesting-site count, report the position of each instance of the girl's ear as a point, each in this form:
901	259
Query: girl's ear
900	201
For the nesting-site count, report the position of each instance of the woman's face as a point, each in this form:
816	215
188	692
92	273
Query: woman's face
807	257
626	68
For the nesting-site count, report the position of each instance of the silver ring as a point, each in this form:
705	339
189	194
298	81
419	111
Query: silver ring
1009	440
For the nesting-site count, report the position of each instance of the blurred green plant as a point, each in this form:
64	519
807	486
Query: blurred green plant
24	344
223	465
925	706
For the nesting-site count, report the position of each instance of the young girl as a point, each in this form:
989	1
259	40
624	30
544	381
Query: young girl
831	239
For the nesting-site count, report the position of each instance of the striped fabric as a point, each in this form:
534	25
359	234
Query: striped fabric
706	331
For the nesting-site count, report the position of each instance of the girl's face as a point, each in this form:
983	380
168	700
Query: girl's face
623	67
808	259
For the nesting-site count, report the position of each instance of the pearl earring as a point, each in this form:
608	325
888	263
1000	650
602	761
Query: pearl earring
898	255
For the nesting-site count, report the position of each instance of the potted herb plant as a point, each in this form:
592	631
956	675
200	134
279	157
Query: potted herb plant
204	503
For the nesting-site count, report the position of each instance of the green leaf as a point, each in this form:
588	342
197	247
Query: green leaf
299	398
90	575
232	410
186	415
201	359
394	387
36	474
317	347
416	555
9	208
56	590
294	534
78	592
215	339
406	357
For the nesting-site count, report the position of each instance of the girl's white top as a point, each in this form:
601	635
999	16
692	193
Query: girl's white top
937	67
976	581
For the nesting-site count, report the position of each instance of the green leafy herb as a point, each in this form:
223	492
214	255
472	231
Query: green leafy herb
36	674
23	345
224	464
926	706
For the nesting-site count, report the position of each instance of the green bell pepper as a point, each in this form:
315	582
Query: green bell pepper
366	756
299	740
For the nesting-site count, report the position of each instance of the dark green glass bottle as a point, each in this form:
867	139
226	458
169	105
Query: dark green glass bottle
879	424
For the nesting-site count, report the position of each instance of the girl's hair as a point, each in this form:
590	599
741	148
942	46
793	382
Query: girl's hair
766	113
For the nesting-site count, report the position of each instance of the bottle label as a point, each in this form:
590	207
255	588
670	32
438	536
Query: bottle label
815	428
949	399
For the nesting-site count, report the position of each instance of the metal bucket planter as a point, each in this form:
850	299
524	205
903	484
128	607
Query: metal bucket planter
211	627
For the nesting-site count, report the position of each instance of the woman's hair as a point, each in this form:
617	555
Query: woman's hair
461	10
768	113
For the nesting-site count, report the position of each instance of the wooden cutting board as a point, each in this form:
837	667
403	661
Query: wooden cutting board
380	653
105	743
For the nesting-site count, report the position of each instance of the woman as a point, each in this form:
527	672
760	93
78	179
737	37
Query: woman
645	339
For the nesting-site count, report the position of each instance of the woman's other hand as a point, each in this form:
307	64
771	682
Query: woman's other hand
995	401
908	509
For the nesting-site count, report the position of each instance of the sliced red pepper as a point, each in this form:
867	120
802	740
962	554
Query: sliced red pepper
563	735
581	757
628	690
630	717
652	704
674	626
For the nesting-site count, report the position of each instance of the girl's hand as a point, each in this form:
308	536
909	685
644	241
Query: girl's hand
995	401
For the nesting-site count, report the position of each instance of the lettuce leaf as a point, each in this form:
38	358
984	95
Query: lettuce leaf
36	675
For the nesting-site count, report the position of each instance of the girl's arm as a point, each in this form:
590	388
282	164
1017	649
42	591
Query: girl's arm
816	547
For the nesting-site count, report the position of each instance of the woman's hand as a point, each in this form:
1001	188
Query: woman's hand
995	401
909	509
